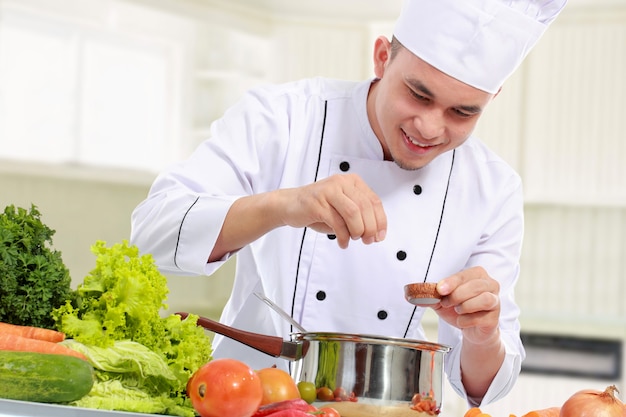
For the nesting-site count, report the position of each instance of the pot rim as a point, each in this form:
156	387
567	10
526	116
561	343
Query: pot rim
371	339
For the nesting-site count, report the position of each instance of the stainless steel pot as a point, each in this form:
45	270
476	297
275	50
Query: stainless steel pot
379	375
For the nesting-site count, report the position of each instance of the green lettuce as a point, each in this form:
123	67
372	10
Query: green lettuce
121	298
113	395
116	321
125	357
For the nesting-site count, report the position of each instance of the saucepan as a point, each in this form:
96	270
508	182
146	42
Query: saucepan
368	375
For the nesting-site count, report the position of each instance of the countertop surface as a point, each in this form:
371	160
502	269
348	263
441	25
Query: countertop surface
13	408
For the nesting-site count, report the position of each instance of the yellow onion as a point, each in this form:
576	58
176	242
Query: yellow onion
592	403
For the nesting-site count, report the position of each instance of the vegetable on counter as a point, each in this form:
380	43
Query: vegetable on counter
32	332
118	302
584	403
33	278
229	387
545	412
475	412
294	408
40	377
277	385
11	342
593	403
299	405
225	387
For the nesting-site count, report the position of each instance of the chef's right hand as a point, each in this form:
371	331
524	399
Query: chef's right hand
343	205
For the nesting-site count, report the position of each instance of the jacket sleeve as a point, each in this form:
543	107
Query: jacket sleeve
181	218
498	251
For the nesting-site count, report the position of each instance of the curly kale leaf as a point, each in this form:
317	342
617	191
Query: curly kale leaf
33	278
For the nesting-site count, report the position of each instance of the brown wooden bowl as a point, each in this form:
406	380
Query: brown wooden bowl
422	293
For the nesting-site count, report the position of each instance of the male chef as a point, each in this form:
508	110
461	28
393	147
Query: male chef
335	194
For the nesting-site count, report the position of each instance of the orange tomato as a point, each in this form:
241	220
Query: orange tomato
225	387
277	385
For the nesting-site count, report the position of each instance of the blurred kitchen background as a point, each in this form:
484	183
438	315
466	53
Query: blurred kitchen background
97	96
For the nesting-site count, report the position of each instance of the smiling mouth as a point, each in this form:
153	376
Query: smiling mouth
417	143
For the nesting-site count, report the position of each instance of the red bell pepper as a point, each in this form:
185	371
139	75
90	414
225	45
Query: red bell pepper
291	413
298	406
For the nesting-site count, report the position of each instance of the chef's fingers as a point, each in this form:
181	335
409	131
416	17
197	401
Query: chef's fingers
466	278
343	205
375	220
362	218
373	224
351	212
359	207
478	326
477	318
332	223
484	301
467	285
340	228
372	214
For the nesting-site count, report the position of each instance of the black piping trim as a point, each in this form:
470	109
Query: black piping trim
181	228
432	253
319	158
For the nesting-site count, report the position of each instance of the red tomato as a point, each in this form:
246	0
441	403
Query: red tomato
325	394
225	387
328	412
340	394
278	385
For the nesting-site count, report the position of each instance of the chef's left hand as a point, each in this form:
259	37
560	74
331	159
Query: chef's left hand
470	301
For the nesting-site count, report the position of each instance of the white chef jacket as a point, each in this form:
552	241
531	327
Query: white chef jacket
463	209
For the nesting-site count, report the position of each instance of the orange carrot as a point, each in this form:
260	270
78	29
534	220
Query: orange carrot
24	344
546	412
32	332
472	412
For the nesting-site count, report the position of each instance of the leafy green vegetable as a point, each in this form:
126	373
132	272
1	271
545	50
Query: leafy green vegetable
116	318
120	298
329	363
33	278
125	357
113	395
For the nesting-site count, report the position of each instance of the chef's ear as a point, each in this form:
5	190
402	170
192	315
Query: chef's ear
382	55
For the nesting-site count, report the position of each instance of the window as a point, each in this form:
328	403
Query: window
97	85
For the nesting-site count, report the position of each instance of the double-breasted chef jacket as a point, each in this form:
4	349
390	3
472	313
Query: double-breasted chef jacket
464	209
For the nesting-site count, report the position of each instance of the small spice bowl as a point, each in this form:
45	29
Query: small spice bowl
422	293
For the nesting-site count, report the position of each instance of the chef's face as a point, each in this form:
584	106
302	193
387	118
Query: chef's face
417	111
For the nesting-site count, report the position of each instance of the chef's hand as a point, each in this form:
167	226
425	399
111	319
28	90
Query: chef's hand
343	205
470	301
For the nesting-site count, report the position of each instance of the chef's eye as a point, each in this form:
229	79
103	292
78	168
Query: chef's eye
462	113
418	96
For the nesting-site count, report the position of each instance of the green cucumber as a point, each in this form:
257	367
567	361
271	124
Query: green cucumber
43	377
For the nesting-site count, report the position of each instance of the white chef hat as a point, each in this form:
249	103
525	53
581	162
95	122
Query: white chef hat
479	42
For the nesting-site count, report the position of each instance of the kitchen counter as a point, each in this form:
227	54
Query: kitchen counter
12	408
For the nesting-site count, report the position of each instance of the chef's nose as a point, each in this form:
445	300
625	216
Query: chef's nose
430	124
